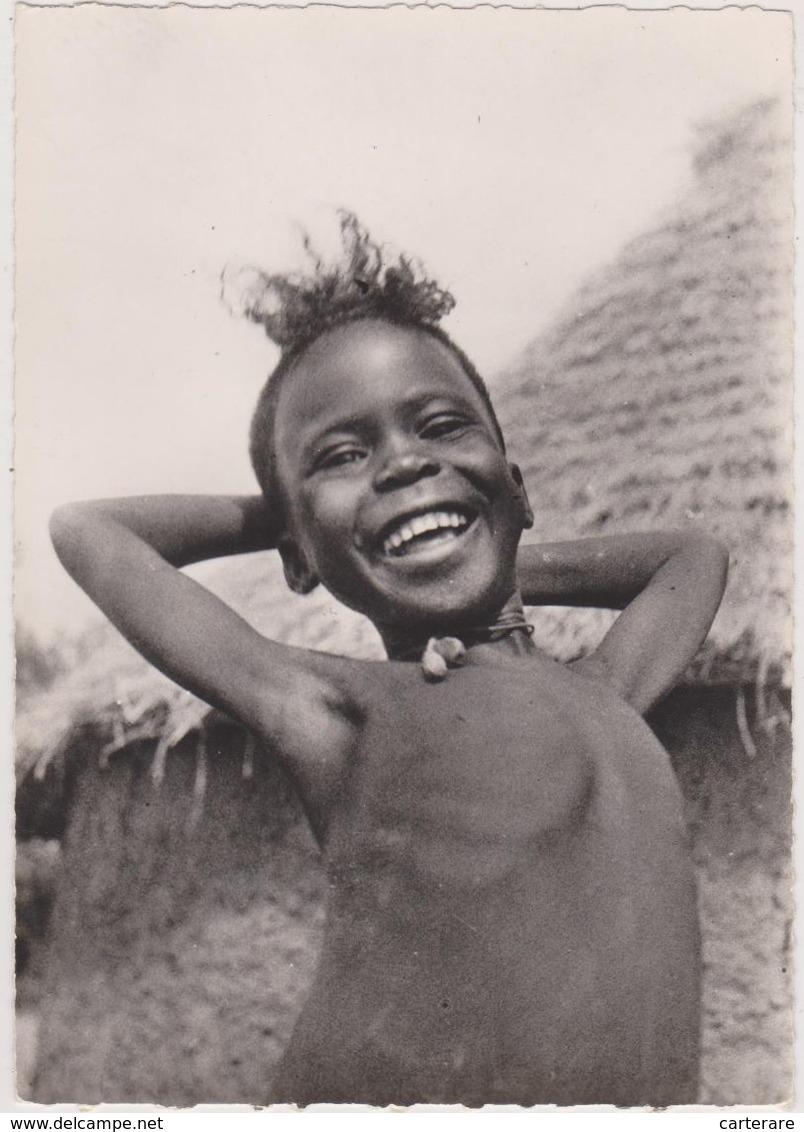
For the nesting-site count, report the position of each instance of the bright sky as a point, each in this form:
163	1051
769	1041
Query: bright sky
512	150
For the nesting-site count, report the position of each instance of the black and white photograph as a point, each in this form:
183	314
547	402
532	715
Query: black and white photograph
403	557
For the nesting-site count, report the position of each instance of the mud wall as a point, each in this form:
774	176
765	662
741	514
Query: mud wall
184	932
186	928
732	753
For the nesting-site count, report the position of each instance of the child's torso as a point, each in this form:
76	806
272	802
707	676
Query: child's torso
512	912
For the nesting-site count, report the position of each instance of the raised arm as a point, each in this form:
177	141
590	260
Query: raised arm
668	585
125	553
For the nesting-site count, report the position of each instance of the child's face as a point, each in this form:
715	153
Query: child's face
399	497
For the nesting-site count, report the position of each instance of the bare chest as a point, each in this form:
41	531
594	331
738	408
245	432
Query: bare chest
468	780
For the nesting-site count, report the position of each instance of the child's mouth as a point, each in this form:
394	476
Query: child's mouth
425	530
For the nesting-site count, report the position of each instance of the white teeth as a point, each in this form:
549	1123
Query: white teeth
421	524
424	523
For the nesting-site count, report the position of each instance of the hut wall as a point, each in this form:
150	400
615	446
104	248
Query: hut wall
184	938
737	782
184	932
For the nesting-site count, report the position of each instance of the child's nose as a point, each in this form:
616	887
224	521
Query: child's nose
403	468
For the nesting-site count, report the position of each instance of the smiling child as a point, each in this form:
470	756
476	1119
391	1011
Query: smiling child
512	911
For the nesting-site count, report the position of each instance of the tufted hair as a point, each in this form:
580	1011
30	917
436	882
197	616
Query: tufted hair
296	309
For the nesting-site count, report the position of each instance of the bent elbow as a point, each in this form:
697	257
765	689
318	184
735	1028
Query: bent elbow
61	525
67	525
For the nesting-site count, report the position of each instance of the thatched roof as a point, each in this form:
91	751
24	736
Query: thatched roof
663	395
661	398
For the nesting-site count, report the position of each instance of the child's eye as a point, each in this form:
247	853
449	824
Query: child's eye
339	456
444	424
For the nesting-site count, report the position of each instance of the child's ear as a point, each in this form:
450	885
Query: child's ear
299	574
516	475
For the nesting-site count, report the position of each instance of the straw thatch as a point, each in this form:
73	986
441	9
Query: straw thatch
663	395
661	398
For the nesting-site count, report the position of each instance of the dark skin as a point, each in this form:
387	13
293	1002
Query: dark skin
512	908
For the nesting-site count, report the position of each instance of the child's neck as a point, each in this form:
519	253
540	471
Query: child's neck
508	630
